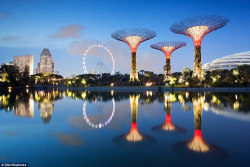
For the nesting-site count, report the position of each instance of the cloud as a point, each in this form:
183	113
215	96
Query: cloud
79	47
10	133
68	139
69	31
10	38
2	15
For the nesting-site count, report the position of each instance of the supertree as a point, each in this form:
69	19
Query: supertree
167	48
196	28
133	37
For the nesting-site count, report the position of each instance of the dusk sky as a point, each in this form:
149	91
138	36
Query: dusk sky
67	28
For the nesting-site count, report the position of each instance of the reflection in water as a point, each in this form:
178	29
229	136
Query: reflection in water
198	144
63	130
23	109
134	136
68	139
46	108
46	102
99	125
22	103
168	125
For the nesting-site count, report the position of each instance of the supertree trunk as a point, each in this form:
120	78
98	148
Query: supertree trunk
168	69
197	62
133	71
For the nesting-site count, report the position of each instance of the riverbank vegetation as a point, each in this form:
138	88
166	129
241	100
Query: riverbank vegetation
10	76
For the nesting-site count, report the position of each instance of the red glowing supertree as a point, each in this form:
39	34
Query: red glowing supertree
167	48
133	37
196	28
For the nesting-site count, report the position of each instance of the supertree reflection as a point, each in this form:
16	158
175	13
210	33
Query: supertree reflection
198	145
134	136
168	126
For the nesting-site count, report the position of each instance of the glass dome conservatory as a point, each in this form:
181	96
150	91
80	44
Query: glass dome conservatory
228	62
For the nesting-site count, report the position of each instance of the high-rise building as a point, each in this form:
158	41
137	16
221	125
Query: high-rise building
25	60
46	64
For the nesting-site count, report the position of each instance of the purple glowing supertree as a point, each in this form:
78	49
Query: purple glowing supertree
133	37
167	48
196	28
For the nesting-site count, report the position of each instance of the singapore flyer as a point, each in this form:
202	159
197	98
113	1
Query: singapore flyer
86	52
98	125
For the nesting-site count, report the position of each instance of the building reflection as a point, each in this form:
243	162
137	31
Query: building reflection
46	108
23	109
46	103
134	136
168	124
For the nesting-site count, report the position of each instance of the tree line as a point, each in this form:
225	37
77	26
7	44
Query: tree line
10	75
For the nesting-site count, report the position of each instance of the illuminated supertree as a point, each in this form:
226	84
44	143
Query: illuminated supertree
133	37
168	126
196	28
167	48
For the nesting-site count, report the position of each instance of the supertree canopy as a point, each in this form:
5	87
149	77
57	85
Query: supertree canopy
196	28
167	48
133	37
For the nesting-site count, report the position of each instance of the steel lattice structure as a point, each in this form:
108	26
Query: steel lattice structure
196	28
133	37
167	48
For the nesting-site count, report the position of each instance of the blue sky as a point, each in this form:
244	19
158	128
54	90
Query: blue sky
67	28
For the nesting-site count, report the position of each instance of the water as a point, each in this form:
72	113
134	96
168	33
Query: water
74	128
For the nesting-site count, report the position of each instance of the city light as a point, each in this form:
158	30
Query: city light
148	84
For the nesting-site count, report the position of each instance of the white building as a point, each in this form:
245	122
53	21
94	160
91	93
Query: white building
25	60
228	62
46	64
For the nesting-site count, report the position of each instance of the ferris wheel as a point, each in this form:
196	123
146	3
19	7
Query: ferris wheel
86	52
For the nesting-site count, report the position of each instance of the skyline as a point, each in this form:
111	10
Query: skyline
67	29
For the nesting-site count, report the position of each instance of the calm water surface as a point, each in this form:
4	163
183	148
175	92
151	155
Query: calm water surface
75	128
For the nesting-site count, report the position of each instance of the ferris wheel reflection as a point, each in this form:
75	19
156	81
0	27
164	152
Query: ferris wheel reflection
100	124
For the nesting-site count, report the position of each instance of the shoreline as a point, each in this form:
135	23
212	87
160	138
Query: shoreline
136	88
157	89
